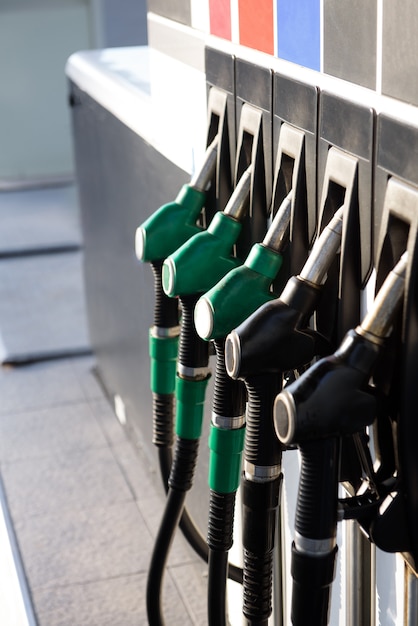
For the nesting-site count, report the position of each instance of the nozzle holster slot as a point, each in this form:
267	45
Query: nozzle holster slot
253	111
339	309
395	528
345	159
220	78
349	126
295	111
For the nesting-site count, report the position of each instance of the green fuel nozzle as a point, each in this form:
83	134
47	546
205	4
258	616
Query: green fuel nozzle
205	258
174	223
189	271
162	233
227	304
247	287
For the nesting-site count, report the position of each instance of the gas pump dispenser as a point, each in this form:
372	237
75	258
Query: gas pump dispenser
325	410
268	266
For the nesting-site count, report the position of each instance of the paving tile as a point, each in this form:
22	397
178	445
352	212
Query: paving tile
141	476
173	610
84	369
197	497
42	309
149	493
191	582
152	508
61	429
39	219
38	385
112	602
80	546
108	422
42	486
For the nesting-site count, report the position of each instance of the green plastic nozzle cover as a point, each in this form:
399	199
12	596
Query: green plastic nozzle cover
170	226
238	294
190	398
202	260
163	362
225	467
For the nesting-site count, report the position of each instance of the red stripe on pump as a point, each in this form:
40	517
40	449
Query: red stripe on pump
256	24
220	18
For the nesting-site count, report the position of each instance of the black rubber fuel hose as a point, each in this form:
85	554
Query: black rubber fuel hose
228	410
314	549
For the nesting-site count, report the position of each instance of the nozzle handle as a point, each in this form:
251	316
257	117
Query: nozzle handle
262	452
314	548
170	226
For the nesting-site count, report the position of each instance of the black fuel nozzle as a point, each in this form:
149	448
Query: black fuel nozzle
272	340
314	548
327	401
331	398
276	337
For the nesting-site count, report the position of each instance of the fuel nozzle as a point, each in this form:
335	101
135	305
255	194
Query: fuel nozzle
155	239
331	398
189	271
174	223
276	336
247	287
251	284
327	401
203	260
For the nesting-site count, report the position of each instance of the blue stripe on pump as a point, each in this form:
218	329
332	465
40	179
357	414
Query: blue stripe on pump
299	32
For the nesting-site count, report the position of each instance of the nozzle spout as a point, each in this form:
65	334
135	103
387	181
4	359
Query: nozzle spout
379	319
201	178
276	236
237	204
324	250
